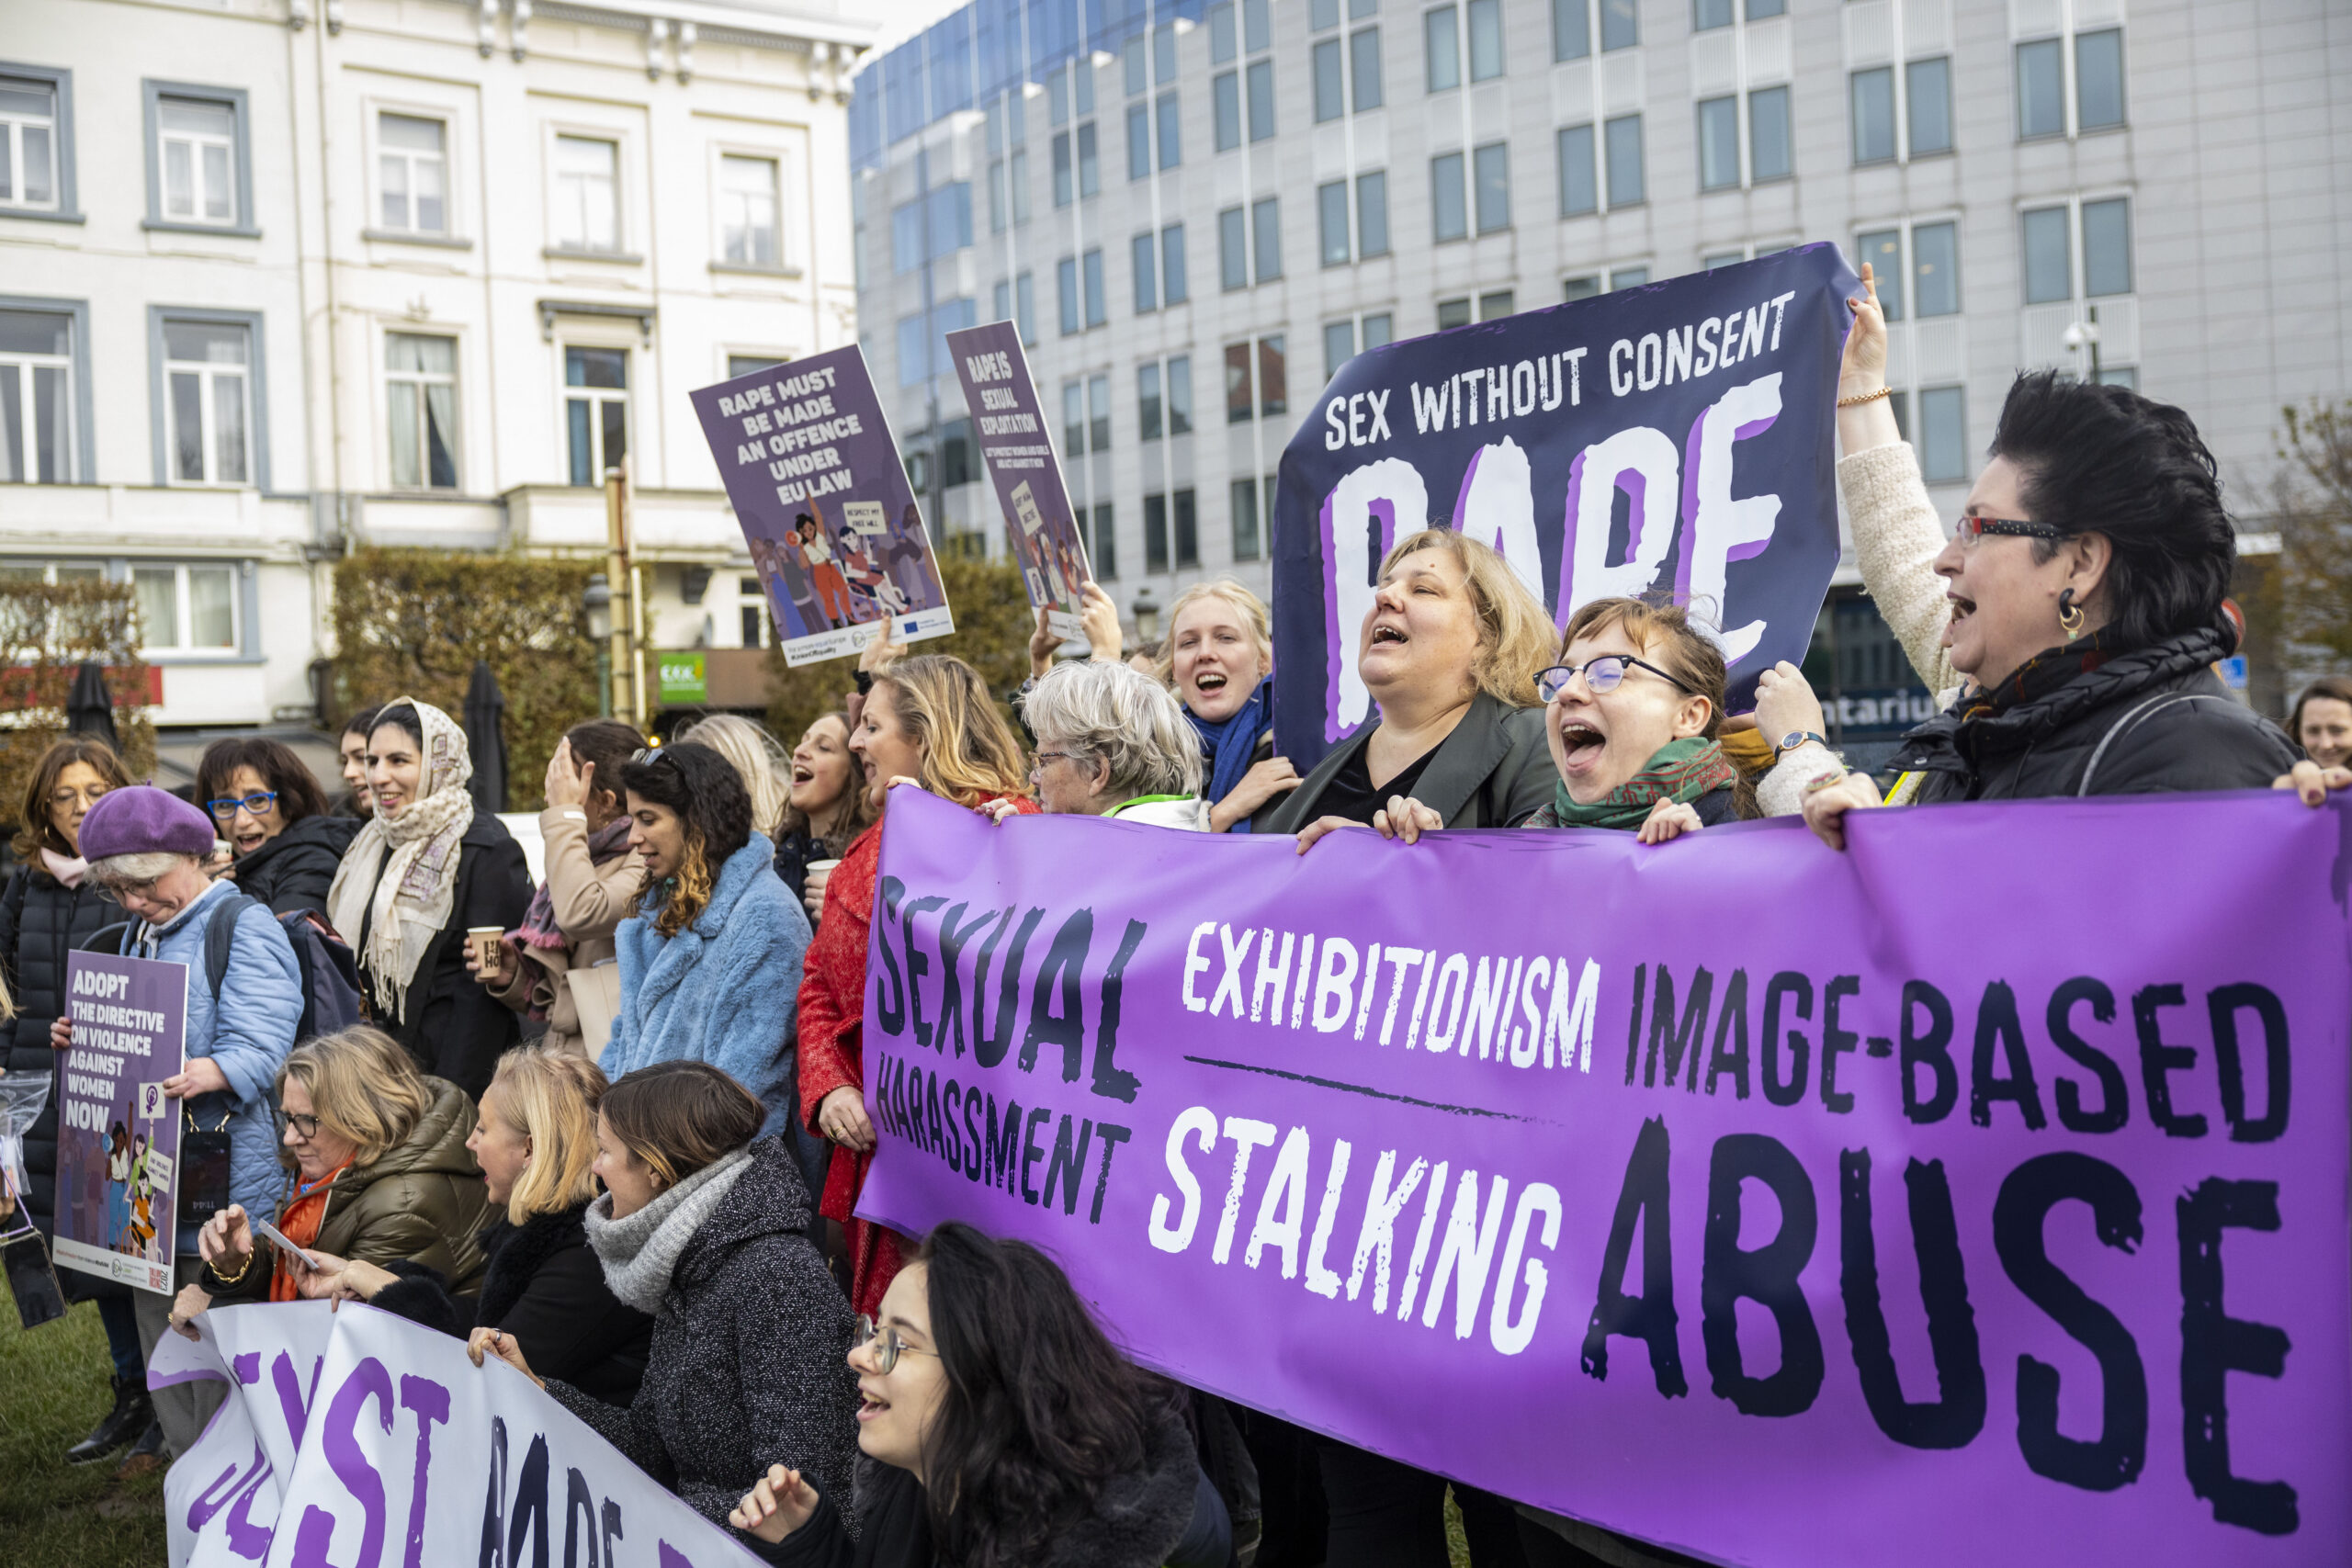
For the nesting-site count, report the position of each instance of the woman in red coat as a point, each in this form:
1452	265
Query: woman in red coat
927	723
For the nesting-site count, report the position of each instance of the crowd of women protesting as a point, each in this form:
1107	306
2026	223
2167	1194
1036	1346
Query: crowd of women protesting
621	1147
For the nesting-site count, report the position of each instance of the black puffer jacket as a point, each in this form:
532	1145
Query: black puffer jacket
542	1284
41	921
451	1023
748	1365
2082	721
293	870
1158	1514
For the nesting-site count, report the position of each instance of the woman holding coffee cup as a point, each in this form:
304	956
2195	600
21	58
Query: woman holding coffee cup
544	969
828	808
427	872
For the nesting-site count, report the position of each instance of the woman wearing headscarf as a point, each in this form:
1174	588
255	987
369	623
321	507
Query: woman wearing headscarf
592	882
424	868
928	720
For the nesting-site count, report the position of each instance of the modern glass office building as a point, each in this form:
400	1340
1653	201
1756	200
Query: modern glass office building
1197	211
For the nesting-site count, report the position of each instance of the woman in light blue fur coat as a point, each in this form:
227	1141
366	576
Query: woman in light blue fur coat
710	962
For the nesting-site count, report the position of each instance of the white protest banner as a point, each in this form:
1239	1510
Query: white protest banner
392	1450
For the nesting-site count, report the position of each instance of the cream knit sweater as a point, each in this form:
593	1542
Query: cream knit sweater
1896	539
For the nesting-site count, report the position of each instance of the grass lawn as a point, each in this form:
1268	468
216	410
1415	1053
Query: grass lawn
53	1387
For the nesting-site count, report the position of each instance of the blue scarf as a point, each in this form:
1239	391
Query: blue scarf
1229	744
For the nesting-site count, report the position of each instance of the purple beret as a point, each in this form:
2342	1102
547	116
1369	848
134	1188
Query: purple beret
143	821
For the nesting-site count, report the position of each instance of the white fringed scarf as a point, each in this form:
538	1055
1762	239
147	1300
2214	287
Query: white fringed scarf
407	865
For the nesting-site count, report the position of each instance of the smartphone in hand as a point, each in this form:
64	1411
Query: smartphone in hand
277	1238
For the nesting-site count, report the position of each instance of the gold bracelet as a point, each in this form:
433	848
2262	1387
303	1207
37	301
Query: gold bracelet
1861	398
232	1280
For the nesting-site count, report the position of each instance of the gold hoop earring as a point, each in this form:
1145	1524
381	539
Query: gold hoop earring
2070	617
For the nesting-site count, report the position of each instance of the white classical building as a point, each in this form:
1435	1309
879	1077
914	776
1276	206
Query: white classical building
278	277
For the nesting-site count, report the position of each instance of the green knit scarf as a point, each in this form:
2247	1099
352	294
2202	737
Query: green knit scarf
1679	770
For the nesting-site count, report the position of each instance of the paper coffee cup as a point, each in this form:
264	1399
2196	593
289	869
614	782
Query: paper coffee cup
484	940
822	865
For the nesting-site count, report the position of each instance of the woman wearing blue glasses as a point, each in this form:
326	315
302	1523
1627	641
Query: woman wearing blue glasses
263	801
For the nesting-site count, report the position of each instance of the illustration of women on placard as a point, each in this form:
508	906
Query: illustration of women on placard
833	588
119	1188
911	562
142	1201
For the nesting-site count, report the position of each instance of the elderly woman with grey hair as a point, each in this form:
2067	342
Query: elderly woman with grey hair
1114	742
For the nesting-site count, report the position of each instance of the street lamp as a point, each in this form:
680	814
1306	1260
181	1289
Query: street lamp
2081	335
596	604
1146	613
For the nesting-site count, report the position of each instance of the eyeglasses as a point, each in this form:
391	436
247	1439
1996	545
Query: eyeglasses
1038	768
116	892
1971	528
1602	675
306	1126
886	1354
63	799
258	802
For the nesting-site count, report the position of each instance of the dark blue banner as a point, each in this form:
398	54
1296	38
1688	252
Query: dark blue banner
1676	438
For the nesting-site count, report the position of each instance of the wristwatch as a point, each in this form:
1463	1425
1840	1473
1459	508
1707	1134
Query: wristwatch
1796	738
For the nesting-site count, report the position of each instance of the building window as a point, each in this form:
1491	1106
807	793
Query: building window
1142	259
1620	24
1245	520
1257	27
596	408
1486	39
2049	259
747	364
1062	172
1261	100
186	609
1491	166
2041	89
1092	268
1442	50
996	197
1718	143
1221	38
1453	314
1266	237
1710	14
1579	185
1872	93
1173	285
1024	307
1103	542
1372	213
587	203
1944	435
1066	281
37	423
1138	141
1494	306
1148	405
1171	131
1928	85
1180	395
1184	517
1090	166
1882	249
2107	247
1274	381
2098	80
413	165
1575	288
1364	68
1571	29
1240	394
1155	533
1225	98
906	237
1448	208
209	401
32	142
1331	213
1768	154
1073	419
1935	264
198	154
751	610
1628	278
1098	413
1330	82
1233	249
1721	259
421	396
747	207
1623	139
1339	347
1017	176
1378	330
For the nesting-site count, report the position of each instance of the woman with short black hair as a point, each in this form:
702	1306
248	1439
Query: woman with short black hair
712	954
263	799
2080	598
1003	1428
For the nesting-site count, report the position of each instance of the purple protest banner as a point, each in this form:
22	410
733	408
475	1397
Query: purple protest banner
835	535
1016	442
1780	1205
117	1136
